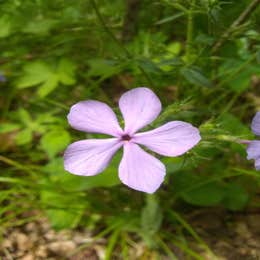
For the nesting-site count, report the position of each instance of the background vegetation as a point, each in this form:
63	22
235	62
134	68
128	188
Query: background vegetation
201	57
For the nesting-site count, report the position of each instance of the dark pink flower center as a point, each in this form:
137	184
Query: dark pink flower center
126	137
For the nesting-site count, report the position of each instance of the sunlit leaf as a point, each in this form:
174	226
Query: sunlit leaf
34	73
8	127
25	116
66	72
23	137
55	141
63	218
5	26
46	76
49	85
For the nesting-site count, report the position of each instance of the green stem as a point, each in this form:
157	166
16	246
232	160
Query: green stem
241	19
187	250
189	228
120	45
189	35
108	31
95	238
17	165
56	103
124	246
111	244
166	249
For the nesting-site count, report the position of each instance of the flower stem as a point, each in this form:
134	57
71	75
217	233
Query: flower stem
189	35
120	45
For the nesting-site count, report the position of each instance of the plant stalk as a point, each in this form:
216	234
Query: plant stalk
120	45
189	35
241	19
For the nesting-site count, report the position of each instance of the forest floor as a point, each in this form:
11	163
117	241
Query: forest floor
230	236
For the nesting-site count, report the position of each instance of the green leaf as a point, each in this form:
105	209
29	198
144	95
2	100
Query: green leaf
151	219
174	49
50	84
170	18
34	73
102	67
71	182
63	210
196	77
39	26
232	124
55	141
241	81
8	127
207	195
24	137
47	118
258	56
237	74
66	71
236	197
63	219
183	181
24	116
5	26
43	74
169	63
148	65
108	178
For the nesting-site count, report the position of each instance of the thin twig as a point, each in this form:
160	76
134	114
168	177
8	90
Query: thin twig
110	33
241	19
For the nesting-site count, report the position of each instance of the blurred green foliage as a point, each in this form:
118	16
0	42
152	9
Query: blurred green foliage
56	53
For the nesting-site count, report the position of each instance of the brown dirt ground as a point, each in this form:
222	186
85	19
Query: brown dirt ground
230	236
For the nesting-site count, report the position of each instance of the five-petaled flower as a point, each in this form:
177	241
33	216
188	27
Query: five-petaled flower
253	149
138	169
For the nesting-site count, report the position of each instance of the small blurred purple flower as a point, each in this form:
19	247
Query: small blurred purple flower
2	77
253	149
138	169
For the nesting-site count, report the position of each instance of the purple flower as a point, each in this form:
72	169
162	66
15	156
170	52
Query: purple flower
253	149
138	169
2	78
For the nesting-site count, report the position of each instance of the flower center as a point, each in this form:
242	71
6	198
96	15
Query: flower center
126	137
